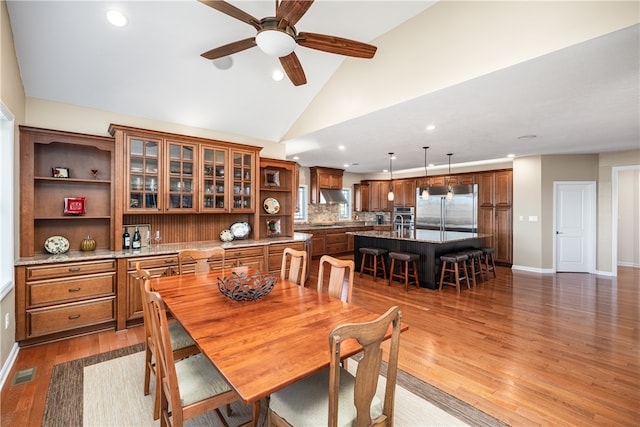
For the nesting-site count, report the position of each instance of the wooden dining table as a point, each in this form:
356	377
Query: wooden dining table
259	346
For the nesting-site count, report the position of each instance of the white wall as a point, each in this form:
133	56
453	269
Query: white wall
629	218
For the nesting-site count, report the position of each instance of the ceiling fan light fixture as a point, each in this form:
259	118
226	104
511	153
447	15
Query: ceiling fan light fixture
275	42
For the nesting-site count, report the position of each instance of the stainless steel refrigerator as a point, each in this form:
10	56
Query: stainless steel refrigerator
458	214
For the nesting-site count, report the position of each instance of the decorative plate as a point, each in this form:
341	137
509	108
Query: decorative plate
271	205
56	245
240	230
74	205
226	235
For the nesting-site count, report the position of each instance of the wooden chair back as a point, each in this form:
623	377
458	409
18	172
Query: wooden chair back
340	268
201	257
370	336
297	266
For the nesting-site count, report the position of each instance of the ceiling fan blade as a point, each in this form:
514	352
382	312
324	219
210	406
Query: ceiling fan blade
229	49
293	68
338	45
292	10
234	12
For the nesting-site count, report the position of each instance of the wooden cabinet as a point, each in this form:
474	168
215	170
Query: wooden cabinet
42	196
405	192
59	300
157	266
377	200
275	256
169	173
361	197
326	178
317	242
495	213
278	180
336	241
254	257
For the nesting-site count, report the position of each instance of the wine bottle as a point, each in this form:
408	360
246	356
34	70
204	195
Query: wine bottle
126	240
137	241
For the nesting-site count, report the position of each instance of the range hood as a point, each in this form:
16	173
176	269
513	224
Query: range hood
332	196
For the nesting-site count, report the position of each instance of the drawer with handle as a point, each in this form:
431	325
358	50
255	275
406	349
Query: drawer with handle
70	316
151	262
65	290
70	269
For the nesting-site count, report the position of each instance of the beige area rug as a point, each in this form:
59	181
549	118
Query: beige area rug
106	390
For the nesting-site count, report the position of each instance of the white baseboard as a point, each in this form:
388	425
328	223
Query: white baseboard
6	368
532	269
628	264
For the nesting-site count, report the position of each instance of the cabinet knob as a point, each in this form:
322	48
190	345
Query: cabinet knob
74	289
74	316
74	269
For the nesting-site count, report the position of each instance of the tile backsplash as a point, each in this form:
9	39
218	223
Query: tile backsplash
331	212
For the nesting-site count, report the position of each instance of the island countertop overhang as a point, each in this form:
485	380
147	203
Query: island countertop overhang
426	236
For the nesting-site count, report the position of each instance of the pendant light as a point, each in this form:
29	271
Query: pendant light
449	189
425	190
390	196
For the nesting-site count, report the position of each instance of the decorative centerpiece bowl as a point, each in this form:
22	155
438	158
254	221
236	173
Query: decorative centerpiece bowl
242	287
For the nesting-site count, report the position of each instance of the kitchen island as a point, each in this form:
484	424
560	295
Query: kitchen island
429	244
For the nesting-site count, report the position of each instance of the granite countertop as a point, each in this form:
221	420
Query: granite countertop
427	236
161	249
342	224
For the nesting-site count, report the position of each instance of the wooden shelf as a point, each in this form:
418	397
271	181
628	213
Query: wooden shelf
284	193
72	180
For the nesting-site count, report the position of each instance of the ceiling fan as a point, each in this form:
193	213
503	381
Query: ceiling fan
277	36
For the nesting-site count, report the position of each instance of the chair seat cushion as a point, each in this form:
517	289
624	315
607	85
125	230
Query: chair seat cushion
488	250
306	403
373	251
179	337
198	379
404	256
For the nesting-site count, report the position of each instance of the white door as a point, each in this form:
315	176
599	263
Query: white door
574	226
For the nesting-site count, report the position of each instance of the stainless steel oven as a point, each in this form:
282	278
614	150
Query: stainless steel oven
403	219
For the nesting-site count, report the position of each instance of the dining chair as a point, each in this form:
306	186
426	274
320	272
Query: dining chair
200	256
188	387
297	266
339	269
334	396
181	343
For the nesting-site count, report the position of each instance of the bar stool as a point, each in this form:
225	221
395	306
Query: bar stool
408	259
456	265
372	266
489	261
474	264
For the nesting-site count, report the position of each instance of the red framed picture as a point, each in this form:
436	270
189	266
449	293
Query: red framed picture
74	205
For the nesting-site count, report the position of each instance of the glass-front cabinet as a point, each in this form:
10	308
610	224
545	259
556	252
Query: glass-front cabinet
214	188
242	184
144	172
182	177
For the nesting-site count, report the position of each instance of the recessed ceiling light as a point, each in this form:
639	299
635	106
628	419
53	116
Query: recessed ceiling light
346	165
116	18
527	136
511	155
431	127
341	147
296	157
385	170
277	75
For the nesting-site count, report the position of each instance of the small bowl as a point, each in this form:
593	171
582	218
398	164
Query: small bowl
241	287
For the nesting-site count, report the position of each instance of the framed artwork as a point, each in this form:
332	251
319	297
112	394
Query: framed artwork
60	172
273	227
74	206
271	178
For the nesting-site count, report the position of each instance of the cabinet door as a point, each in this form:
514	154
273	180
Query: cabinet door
243	181
486	222
502	232
182	177
143	175
438	181
486	189
503	188
213	182
467	179
134	301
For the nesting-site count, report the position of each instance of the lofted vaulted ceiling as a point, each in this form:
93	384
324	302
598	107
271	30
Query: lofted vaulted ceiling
575	96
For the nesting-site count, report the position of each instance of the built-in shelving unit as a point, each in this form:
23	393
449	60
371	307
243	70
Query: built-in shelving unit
278	181
42	195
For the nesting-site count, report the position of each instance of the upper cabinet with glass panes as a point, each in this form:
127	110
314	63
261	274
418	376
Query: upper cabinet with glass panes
168	173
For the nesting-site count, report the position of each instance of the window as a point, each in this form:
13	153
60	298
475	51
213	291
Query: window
345	208
301	208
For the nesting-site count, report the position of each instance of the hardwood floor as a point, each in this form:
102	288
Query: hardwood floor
529	349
